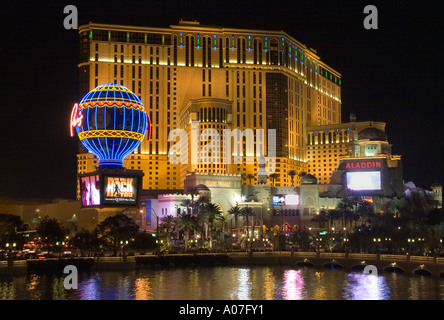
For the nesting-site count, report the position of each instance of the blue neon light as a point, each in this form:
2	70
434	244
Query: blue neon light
114	123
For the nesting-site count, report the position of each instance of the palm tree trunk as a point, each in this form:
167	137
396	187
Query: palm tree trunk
211	235
252	226
235	225
187	235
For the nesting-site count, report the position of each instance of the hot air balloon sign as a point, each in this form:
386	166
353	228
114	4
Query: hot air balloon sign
111	122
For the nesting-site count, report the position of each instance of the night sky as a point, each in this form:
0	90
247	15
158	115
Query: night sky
393	74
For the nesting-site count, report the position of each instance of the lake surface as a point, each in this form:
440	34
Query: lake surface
225	283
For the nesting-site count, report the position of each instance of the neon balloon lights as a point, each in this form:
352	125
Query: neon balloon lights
111	122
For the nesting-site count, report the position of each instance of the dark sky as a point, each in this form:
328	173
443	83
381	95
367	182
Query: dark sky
393	74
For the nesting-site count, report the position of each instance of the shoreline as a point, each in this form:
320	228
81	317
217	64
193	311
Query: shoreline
414	265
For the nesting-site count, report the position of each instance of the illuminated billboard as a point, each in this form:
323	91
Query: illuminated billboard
90	190
286	200
106	189
292	199
363	180
279	200
120	190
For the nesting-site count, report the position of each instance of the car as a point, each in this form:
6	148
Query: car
45	256
68	254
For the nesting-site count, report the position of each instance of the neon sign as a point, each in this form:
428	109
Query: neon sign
111	122
363	165
76	118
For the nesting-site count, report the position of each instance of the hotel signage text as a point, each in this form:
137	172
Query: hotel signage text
364	165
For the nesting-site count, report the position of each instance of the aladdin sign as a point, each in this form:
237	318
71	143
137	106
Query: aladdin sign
364	165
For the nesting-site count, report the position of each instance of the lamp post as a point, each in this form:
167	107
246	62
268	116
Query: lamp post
157	229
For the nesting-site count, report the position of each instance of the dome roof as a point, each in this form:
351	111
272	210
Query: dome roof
309	179
372	134
202	187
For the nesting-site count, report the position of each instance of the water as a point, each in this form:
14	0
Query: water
225	283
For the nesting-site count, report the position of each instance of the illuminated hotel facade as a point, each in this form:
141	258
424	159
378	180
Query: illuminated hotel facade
220	78
327	144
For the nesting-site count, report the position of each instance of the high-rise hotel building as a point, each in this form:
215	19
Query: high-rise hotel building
219	78
328	144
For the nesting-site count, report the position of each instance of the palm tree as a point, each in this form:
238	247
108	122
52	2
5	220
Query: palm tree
248	212
250	177
292	173
345	207
212	213
186	222
167	224
199	203
236	212
193	191
366	211
187	203
197	206
321	218
332	215
273	177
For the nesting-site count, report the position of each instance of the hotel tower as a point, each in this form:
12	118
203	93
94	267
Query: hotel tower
217	78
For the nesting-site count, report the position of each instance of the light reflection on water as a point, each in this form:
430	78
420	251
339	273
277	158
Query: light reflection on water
293	285
360	286
224	283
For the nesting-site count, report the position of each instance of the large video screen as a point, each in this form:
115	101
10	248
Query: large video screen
279	200
90	191
286	200
364	180
120	190
292	199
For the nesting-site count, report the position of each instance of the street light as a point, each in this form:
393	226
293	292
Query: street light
157	228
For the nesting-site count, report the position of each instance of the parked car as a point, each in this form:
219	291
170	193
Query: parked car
68	254
45	255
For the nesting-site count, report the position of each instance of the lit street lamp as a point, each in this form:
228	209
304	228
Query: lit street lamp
157	229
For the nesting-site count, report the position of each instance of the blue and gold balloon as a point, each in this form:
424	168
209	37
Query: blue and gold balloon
111	122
